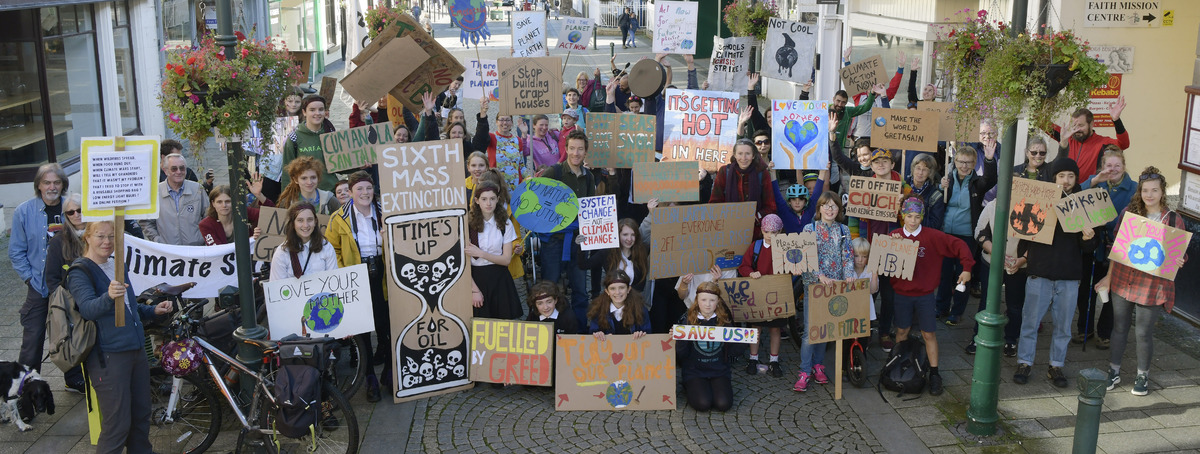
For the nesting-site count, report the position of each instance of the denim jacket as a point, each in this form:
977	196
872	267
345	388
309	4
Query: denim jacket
27	247
89	287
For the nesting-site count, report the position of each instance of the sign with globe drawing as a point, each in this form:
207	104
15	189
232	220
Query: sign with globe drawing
1149	246
336	303
840	310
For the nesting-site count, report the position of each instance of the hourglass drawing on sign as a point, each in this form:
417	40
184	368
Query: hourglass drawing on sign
427	261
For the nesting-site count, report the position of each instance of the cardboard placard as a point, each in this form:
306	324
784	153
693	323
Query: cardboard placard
351	149
690	239
1032	216
529	34
675	27
575	32
903	129
793	46
336	303
618	373
767	298
598	222
874	198
329	87
794	253
104	155
619	140
800	134
427	271
893	257
512	352
700	126
841	310
1149	246
481	79
704	333
1085	209
947	125
303	60
530	86
666	181
860	77
728	68
395	110
390	66
436	73
271	222
544	205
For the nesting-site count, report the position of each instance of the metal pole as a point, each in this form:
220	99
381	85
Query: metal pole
247	354
1093	384
985	386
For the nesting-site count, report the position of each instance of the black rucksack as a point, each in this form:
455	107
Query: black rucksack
298	391
905	369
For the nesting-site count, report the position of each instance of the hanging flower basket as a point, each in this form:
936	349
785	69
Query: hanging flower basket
1055	77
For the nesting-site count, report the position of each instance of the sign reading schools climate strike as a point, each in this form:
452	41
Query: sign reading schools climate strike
700	126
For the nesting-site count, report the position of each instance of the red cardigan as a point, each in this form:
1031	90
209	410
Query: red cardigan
934	246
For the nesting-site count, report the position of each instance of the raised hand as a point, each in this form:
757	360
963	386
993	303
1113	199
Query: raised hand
1117	108
916	63
483	105
846	54
744	114
901	57
429	101
752	81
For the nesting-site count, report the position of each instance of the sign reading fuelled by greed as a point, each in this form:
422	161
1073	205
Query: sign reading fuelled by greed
704	333
758	300
512	352
617	373
1085	209
840	310
598	222
700	126
874	198
893	257
690	239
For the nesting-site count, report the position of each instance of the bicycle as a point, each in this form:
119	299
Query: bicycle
188	419
855	363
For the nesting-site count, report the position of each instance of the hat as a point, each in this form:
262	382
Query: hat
1063	164
810	176
571	113
913	205
772	223
881	153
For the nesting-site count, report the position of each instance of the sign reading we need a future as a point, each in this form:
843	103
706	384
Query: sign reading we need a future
598	222
336	303
757	300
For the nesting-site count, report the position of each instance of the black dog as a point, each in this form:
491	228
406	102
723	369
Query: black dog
27	395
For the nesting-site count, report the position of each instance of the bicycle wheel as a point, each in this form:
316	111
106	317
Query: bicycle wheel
348	370
338	431
193	425
856	369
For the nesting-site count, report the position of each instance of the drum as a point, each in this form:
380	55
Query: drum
647	78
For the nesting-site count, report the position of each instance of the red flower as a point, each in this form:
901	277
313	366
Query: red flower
975	46
952	32
240	36
170	66
179	70
191	60
221	55
245	53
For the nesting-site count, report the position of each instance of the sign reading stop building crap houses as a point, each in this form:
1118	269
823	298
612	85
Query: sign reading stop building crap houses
700	126
874	198
840	310
530	86
512	352
598	222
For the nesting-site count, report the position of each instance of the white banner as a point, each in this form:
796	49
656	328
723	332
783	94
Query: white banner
150	264
790	48
575	33
481	79
336	303
529	34
675	27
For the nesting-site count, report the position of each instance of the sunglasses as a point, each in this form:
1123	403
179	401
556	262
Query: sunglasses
72	212
1151	176
761	142
177	168
1037	153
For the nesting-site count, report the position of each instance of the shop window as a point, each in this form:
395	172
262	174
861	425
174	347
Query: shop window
126	85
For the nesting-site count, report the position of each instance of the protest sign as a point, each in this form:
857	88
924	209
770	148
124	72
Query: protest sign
728	68
529	34
1101	100
427	273
395	110
336	303
470	17
512	352
376	76
1149	246
544	205
351	149
328	87
674	181
893	257
574	33
271	222
758	300
598	222
1032	216
120	176
149	264
793	45
700	126
948	128
841	310
903	129
436	73
616	373
860	77
800	134
619	140
1085	209
530	86
704	333
675	27
481	79
874	198
690	239
793	253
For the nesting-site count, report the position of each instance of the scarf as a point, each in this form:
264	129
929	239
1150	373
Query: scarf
734	182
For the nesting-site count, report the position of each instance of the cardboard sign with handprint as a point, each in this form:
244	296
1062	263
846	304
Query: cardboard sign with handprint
1031	216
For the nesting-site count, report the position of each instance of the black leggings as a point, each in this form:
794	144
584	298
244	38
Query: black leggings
704	394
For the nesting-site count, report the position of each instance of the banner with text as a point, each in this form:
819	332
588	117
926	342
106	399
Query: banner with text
893	257
1085	209
530	86
617	373
120	176
704	333
675	27
700	126
271	222
794	45
691	238
759	300
874	198
210	267
794	253
860	77
675	181
1148	246
619	140
598	222
354	148
1032	216
728	68
335	303
512	352
800	134
575	33
903	129
481	79
841	310
529	34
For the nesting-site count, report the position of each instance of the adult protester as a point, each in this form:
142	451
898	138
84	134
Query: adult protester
305	140
928	92
217	225
505	152
1121	190
305	174
169	146
34	222
454	130
745	179
623	24
305	250
64	248
986	148
922	180
181	206
449	99
1084	145
117	367
542	145
964	195
560	247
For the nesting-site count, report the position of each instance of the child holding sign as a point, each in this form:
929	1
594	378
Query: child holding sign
704	366
491	246
835	262
756	262
619	309
1135	291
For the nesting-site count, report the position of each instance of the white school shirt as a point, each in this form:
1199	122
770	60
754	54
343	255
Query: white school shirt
492	241
866	274
365	234
281	261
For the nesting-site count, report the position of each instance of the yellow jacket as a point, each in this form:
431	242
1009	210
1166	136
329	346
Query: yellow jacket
340	235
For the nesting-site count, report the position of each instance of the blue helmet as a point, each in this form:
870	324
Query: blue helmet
796	191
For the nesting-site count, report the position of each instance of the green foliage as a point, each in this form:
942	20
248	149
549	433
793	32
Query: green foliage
745	18
381	17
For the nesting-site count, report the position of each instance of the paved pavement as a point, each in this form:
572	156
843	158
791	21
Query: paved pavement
767	415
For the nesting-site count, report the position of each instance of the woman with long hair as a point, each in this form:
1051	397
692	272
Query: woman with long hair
619	309
217	225
1137	291
477	163
835	262
456	116
306	139
705	366
492	234
305	174
304	250
542	144
66	246
745	179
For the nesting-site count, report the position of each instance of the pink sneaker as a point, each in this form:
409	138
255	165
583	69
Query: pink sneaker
801	383
819	374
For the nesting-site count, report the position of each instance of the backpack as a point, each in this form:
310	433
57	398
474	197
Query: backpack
905	369
298	393
71	337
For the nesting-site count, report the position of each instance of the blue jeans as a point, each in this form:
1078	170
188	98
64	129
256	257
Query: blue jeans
1058	297
550	257
810	355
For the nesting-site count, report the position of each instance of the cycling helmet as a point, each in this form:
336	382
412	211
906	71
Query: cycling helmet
181	357
796	191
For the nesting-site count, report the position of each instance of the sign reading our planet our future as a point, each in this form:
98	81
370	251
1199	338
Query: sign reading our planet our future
336	303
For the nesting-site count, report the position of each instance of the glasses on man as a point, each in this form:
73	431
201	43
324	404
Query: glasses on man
762	142
969	163
176	169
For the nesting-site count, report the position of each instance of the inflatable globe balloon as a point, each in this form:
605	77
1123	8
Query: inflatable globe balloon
323	312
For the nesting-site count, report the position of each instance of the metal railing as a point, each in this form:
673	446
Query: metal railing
610	12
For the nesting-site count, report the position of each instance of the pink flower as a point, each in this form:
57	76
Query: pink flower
195	99
174	118
982	13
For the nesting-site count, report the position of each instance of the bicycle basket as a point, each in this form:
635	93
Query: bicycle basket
181	357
